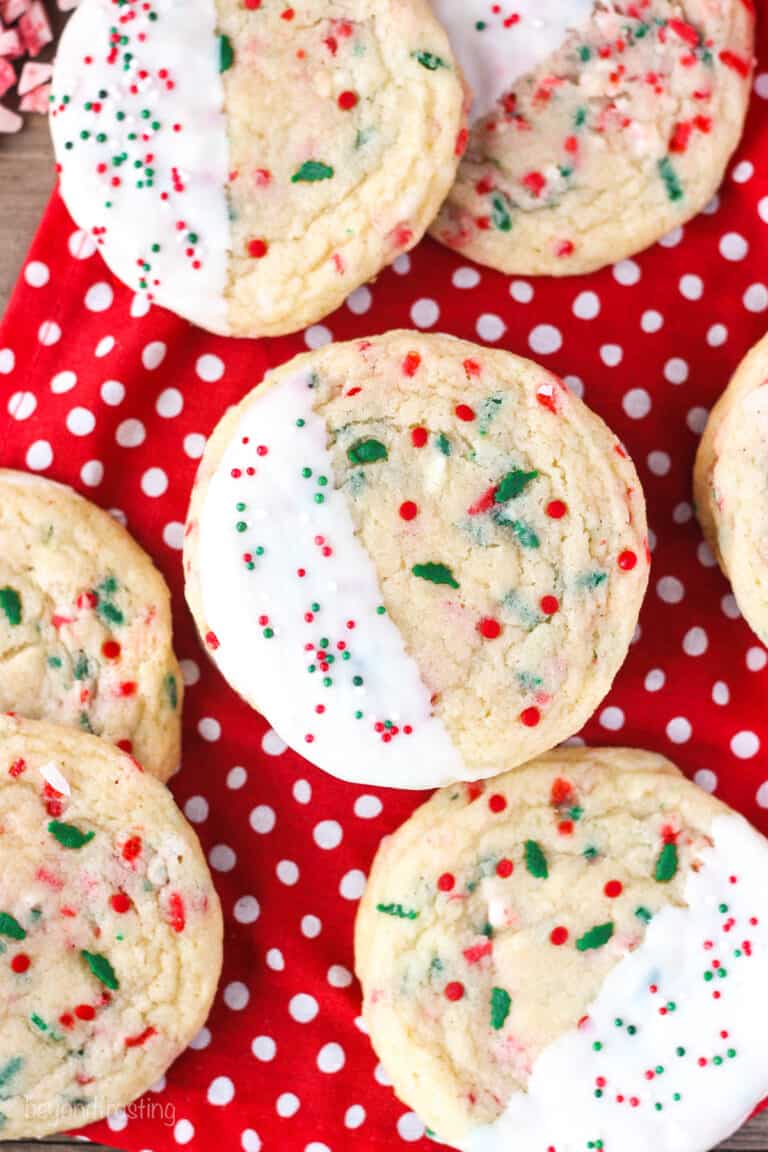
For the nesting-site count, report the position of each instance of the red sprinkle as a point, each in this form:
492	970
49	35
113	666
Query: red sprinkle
454	990
627	560
132	848
497	802
411	364
549	605
530	717
137	1041
347	100
20	963
556	509
85	1012
464	412
120	902
504	868
419	437
489	628
558	935
409	510
257	248
446	882
110	649
613	889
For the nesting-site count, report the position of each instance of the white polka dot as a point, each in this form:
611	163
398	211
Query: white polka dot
682	512
99	297
39	456
745	745
359	302
236	778
173	535
328	834
21	405
676	370
117	1121
659	463
691	287
425	313
575	384
721	693
743	172
246	910
104	347
545	339
92	473
250	1140
264	1048
717	335
183	1132
222	858
586	306
755	298
354	1116
49	333
697	420
287	872
209	728
704	555
263	819
679	730
705	779
670	590
303	1008
409	1127
672	239
490	327
521	291
130	434
275	960
302	792
194	445
757	658
81	245
81	421
201	1040
317	336
711	207
655	680
236	996
611	355
352	884
140	306
153	354
366	807
612	719
287	1105
7	361
626	272
190	670
695	642
113	393
331	1058
761	795
272	744
316	1146
402	264
311	927
729	606
221	1091
636	403
651	321
762	209
196	809
37	274
733	246
154	482
209	368
170	402
381	1076
338	976
466	278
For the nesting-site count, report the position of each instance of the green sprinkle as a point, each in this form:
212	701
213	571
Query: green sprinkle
671	181
226	54
10	605
513	485
502	221
430	61
680	1051
643	914
367	452
501	1002
101	969
11	927
444	444
311	171
631	1029
591	580
397	910
172	690
522	531
81	666
436	574
54	661
597	1046
9	1070
596	937
590	852
535	860
39	1022
666	864
68	835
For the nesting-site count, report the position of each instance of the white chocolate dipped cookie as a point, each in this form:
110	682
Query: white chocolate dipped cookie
571	957
598	125
110	930
248	163
421	560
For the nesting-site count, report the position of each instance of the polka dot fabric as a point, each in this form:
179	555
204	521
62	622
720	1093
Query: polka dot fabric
98	391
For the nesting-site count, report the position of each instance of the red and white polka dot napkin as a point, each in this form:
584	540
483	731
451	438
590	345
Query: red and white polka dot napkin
100	393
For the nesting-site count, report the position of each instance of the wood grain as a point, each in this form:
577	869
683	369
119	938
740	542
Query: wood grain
26	178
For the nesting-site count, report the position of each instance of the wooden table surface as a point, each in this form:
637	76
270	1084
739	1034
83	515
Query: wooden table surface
26	177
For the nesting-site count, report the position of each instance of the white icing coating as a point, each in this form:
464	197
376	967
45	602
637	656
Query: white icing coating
189	166
494	57
283	517
560	1110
